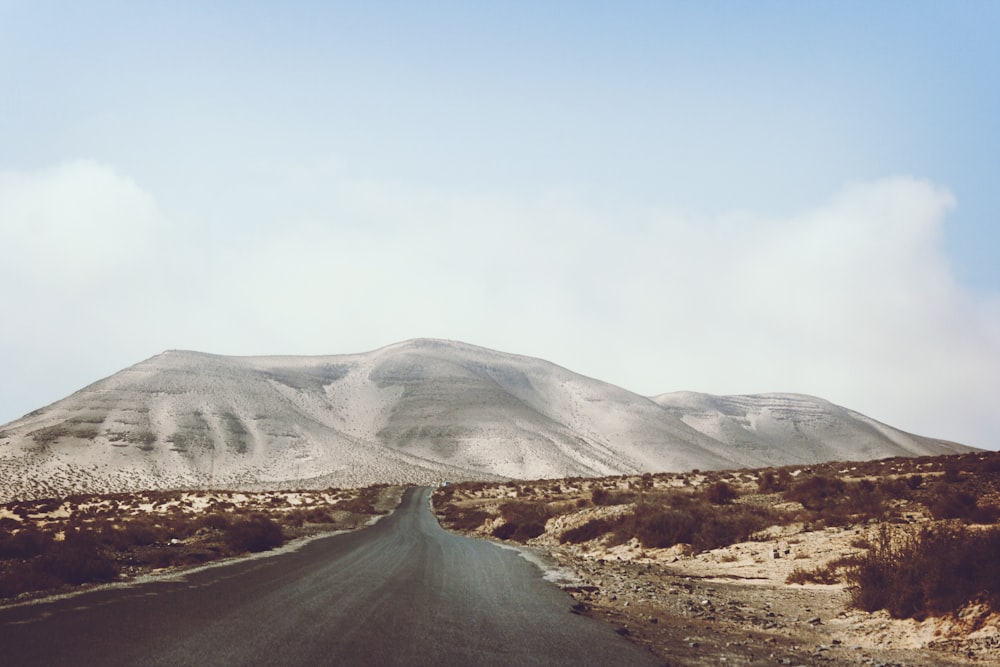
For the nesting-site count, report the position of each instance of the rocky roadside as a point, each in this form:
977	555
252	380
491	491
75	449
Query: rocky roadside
777	596
692	620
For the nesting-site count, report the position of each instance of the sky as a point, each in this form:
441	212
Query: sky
726	197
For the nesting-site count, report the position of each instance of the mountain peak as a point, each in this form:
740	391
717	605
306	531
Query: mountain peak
417	411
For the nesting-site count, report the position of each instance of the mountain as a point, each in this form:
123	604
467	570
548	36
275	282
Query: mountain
415	412
793	428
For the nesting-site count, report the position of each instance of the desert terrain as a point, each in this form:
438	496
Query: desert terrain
746	567
775	583
413	413
62	545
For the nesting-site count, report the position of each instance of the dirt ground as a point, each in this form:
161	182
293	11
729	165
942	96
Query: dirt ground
730	605
688	617
300	514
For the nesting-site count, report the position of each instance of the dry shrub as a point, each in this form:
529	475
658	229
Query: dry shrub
698	524
255	533
898	488
679	518
443	494
949	503
721	493
952	472
319	515
601	496
988	463
356	506
817	492
24	577
522	521
464	518
819	575
26	543
159	558
830	573
860	542
664	527
294	518
78	559
363	503
773	482
470	487
142	532
587	531
215	520
931	572
314	515
835	502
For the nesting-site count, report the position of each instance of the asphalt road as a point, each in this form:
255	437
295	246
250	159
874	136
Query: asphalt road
401	592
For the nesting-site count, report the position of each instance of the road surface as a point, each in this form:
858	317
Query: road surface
401	592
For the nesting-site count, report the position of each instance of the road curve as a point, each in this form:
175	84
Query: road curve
401	592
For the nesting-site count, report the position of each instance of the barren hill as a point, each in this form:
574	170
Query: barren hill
418	411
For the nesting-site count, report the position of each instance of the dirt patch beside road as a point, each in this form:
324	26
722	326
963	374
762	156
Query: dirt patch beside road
771	582
696	619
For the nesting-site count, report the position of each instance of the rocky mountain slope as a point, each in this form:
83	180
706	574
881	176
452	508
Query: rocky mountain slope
414	412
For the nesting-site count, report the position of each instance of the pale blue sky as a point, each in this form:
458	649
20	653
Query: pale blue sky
627	189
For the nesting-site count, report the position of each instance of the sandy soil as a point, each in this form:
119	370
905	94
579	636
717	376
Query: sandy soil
301	514
707	610
732	605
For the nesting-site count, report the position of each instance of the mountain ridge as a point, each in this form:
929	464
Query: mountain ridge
417	411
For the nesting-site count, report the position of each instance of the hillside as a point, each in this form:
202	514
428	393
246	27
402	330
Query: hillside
415	412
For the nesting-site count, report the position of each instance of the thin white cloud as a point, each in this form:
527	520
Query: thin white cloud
74	222
853	300
79	244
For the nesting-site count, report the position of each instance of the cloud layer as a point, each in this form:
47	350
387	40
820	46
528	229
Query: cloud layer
852	300
76	221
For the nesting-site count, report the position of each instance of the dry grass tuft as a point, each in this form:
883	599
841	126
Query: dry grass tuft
933	571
